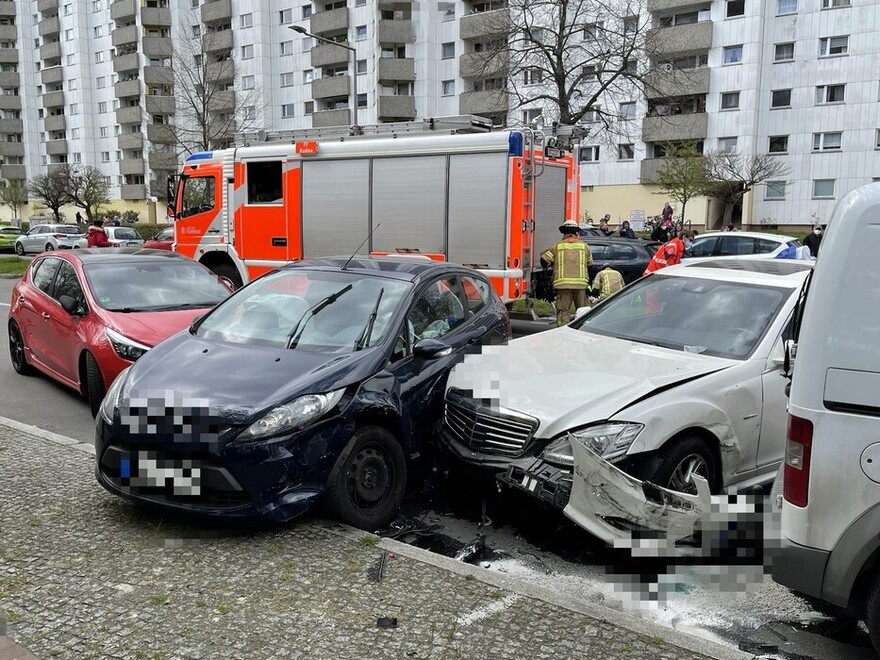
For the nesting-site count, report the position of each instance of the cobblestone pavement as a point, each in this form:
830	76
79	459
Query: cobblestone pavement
84	574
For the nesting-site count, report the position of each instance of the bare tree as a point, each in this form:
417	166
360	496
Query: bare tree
51	189
567	55
732	174
87	188
684	174
14	195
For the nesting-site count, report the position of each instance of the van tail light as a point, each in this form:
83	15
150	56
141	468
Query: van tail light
798	449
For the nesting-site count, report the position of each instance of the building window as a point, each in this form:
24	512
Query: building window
834	4
361	67
104	132
250	112
733	54
730	100
74	133
593	115
68	35
99	57
778	144
71	59
247	20
736	8
362	100
589	72
631	23
784	52
286	48
247	82
727	144
593	31
307	12
780	98
102	107
626	151
448	13
287	79
448	87
105	156
532	114
775	190
830	94
309	108
308	76
533	76
784	7
247	52
99	30
877	140
74	108
96	6
285	16
829	46
448	50
590	154
827	141
287	110
72	84
535	35
360	3
360	32
823	188
627	110
196	30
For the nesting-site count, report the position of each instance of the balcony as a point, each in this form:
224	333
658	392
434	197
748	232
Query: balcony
397	107
133	191
49	26
130	140
160	134
126	88
681	39
220	71
123	10
158	75
8	32
400	69
124	36
48	52
10	102
54	123
10	55
53	99
677	82
669	5
485	24
326	88
157	47
218	41
327	54
329	22
129	115
160	105
216	11
160	161
56	147
479	103
675	127
12	148
222	101
52	75
7	8
331	118
156	16
11	126
9	79
651	168
129	166
394	4
395	32
129	62
10	172
482	65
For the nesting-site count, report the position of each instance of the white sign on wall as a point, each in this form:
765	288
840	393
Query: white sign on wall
637	219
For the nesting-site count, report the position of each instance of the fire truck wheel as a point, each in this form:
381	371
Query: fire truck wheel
230	272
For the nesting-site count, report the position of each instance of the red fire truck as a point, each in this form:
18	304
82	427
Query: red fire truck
450	189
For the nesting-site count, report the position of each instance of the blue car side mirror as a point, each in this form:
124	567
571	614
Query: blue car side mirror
431	348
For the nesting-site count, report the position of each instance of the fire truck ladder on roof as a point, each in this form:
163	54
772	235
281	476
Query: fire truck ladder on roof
454	125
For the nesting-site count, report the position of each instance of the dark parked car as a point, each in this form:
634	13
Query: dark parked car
316	381
630	256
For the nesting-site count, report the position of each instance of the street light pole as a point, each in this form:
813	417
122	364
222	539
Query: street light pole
350	49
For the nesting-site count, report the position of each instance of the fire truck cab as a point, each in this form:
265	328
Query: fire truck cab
490	200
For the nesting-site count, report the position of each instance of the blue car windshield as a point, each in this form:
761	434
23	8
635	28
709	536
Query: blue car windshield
276	307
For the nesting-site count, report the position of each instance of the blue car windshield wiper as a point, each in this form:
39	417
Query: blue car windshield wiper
295	334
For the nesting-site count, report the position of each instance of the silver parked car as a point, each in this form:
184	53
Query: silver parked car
44	238
123	236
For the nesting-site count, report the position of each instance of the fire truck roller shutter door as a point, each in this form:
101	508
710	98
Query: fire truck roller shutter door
549	208
478	214
409	201
335	206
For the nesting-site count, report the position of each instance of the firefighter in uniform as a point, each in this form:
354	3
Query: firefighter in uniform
570	259
606	282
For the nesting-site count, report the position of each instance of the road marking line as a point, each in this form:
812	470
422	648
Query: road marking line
30	429
486	611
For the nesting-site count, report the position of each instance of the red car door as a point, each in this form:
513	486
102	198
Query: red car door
36	306
63	336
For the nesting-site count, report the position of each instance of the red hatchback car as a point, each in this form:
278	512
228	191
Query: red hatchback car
82	317
161	241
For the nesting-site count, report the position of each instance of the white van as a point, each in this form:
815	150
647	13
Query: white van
831	509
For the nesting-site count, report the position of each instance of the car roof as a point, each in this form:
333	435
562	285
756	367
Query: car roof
115	255
787	273
407	268
782	238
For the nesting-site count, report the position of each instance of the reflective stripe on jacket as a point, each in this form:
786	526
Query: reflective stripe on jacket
608	281
570	262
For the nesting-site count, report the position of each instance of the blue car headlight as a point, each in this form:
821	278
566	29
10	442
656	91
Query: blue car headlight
291	416
111	400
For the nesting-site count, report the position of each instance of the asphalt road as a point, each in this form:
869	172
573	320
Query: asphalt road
451	511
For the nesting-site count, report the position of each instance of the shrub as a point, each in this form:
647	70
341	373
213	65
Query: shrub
147	230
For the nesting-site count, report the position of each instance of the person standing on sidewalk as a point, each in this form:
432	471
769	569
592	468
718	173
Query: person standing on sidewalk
813	240
669	253
571	260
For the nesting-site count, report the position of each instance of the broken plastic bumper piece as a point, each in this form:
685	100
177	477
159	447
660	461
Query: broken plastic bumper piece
536	477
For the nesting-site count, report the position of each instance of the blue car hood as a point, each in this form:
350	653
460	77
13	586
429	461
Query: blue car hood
239	381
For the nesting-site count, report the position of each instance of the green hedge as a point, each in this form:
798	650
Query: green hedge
147	230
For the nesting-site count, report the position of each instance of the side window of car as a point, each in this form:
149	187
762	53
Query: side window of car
45	274
624	253
437	310
67	283
402	345
477	292
701	248
763	246
733	245
600	252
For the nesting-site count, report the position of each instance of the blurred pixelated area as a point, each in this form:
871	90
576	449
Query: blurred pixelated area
172	415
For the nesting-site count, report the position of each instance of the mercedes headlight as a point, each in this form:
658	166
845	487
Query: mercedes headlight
127	349
111	400
559	453
611	440
291	416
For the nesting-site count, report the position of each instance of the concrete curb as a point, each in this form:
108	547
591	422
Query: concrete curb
30	429
6	276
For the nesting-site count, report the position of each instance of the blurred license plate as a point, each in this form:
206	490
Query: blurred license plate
145	471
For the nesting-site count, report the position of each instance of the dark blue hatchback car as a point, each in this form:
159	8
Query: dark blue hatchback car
318	380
